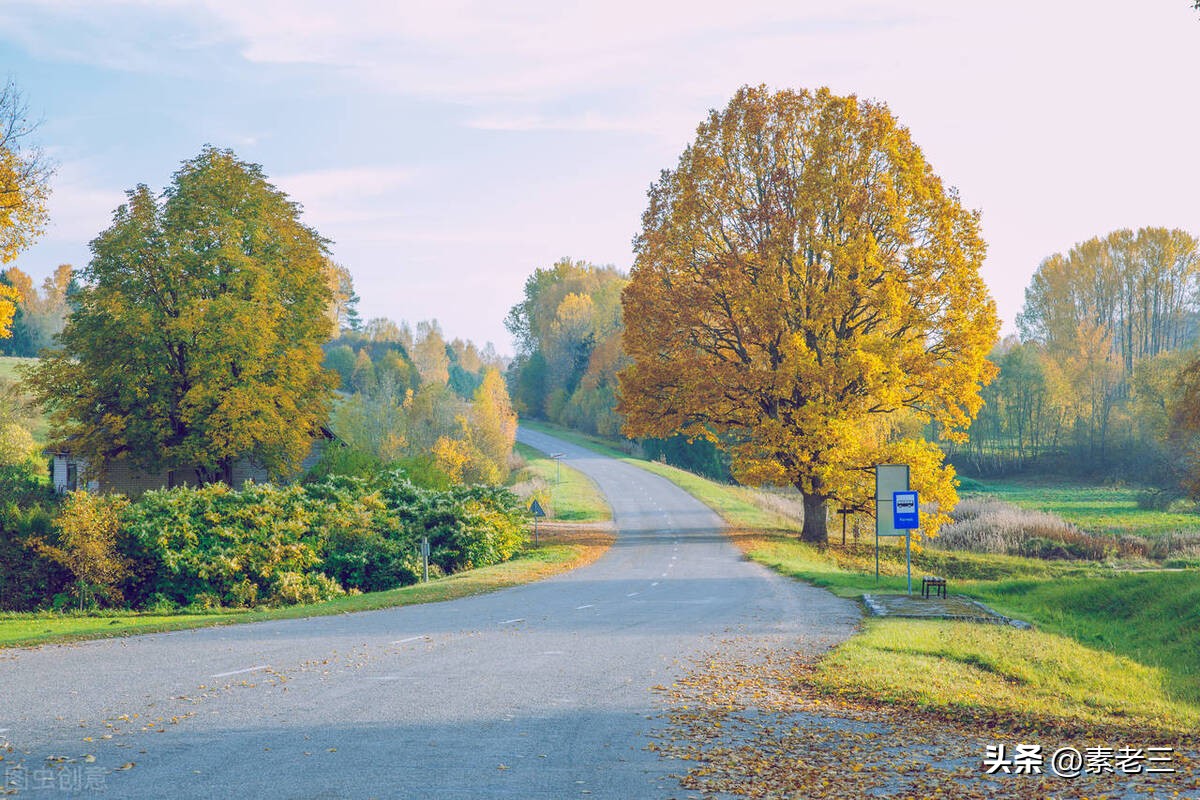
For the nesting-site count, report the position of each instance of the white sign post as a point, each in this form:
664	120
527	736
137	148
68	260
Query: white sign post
889	479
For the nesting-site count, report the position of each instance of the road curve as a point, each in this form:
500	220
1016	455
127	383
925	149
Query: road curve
539	691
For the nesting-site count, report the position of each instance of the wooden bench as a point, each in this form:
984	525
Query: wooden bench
934	583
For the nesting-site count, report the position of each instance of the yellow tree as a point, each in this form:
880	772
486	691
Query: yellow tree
24	186
802	281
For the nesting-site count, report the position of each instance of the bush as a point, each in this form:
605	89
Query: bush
213	540
28	580
85	543
209	546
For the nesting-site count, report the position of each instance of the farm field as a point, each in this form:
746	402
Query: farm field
1094	508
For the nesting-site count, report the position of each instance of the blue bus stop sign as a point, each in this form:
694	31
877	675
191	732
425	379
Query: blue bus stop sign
906	513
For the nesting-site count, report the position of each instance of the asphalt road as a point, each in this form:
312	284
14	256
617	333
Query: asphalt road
540	691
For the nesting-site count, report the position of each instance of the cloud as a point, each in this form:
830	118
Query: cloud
351	201
80	206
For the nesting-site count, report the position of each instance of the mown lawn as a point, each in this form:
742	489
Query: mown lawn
569	496
1096	509
560	551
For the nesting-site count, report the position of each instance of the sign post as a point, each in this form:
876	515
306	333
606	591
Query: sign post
535	508
906	516
889	479
425	557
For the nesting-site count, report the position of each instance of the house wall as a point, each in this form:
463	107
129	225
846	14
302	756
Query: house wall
121	477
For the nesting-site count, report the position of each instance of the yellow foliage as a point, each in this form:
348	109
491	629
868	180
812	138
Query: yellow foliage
803	285
87	530
452	457
9	297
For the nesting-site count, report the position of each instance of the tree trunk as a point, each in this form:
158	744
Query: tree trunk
816	528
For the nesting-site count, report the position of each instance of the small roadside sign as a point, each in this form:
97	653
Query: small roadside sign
906	511
535	508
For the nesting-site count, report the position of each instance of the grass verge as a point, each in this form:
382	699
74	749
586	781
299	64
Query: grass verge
562	548
566	493
1109	650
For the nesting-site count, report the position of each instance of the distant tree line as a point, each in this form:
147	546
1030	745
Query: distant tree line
567	330
39	315
1094	382
439	408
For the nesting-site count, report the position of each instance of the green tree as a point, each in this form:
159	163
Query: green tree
197	337
803	287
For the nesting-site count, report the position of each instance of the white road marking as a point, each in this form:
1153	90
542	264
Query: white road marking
554	652
654	584
409	639
632	594
581	608
511	621
240	671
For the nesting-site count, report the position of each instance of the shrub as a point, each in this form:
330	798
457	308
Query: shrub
28	580
86	544
211	540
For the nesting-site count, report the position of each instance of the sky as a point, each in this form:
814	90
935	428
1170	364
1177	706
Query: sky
449	148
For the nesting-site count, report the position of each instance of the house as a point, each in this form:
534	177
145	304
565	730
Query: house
70	472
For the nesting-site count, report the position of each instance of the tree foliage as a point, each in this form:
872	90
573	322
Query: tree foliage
40	315
444	413
87	530
197	337
567	330
24	187
805	286
1089	390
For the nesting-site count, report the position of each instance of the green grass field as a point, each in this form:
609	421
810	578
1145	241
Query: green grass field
1096	509
568	496
557	553
8	370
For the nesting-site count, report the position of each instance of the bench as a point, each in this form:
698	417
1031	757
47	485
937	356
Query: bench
935	584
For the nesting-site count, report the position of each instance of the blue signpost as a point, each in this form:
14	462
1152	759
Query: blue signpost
906	516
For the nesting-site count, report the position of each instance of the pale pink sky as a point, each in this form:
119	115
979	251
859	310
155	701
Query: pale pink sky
451	148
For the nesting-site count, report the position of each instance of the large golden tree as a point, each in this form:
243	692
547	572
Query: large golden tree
807	290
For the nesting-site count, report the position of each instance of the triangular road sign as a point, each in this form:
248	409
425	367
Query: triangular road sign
535	508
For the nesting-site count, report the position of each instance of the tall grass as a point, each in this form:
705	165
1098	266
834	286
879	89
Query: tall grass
986	525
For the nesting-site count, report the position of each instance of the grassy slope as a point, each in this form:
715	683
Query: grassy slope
571	495
1110	649
8	370
557	553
